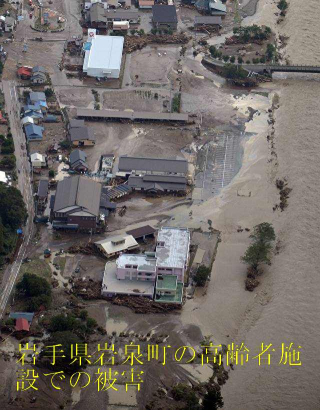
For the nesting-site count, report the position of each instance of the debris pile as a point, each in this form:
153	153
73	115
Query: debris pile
88	249
144	305
133	43
86	288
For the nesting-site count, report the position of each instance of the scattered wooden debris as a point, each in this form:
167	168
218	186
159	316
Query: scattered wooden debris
133	43
86	288
88	249
144	305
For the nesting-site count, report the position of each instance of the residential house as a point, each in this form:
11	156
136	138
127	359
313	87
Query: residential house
34	114
24	73
33	132
100	18
78	161
39	78
39	69
27	120
75	124
212	7
43	189
82	136
114	245
22	315
38	98
9	24
38	160
76	204
164	16
22	325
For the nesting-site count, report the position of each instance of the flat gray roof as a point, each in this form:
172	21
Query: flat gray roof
113	286
132	115
174	252
176	166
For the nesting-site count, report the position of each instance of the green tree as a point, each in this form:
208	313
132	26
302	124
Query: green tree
61	323
232	71
51	173
270	53
91	324
12	208
65	339
213	399
202	275
184	393
49	92
282	5
8	161
264	233
83	314
154	31
240	60
256	254
33	285
232	59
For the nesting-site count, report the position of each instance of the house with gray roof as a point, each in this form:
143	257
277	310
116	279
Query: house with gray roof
78	161
76	204
82	136
164	16
158	184
43	189
33	132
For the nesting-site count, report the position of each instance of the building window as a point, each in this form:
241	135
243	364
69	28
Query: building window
128	266
160	244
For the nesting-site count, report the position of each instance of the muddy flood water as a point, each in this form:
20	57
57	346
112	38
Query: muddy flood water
293	311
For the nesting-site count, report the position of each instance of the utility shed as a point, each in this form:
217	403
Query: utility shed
142	232
207	21
104	56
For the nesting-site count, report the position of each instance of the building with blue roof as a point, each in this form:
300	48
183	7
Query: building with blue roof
33	132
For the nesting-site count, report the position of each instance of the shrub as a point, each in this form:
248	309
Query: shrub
49	92
232	59
51	173
240	60
262	60
83	314
202	275
225	58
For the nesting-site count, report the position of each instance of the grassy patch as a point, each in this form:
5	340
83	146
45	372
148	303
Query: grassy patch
38	267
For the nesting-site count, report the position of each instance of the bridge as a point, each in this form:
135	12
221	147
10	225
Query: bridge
268	68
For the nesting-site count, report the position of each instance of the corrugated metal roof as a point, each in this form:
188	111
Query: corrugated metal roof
164	14
43	188
105	53
132	115
81	134
129	164
77	155
78	191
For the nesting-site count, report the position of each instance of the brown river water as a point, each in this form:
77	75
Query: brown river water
293	312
